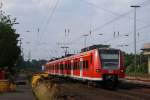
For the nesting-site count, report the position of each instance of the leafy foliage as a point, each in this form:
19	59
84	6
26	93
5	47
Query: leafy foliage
34	65
141	68
9	50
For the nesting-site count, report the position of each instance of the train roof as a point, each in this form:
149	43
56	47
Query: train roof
95	47
70	57
86	50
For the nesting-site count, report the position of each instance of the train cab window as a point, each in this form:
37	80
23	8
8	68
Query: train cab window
109	59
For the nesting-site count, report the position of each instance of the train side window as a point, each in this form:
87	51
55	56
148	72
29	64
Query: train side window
65	65
72	66
78	65
61	66
57	66
68	65
83	64
75	65
86	64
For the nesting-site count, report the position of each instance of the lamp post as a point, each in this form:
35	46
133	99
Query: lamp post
1	5
135	7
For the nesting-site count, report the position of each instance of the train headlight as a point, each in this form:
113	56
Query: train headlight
122	70
98	70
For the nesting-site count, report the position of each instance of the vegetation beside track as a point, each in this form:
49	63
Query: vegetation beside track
140	69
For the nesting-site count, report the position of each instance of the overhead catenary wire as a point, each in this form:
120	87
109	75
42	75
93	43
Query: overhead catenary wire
118	18
106	24
44	17
50	18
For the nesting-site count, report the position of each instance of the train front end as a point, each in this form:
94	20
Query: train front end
112	66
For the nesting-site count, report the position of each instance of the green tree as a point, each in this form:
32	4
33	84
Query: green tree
9	50
141	67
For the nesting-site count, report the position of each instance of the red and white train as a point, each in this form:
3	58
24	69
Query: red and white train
95	63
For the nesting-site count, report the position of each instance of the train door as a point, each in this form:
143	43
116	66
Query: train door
54	69
59	68
81	67
71	67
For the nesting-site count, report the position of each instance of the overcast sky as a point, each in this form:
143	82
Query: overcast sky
43	23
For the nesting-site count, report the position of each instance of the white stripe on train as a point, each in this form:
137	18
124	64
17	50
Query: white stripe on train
79	77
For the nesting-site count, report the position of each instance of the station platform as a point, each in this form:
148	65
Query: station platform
23	92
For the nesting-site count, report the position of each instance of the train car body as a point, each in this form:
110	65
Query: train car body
99	64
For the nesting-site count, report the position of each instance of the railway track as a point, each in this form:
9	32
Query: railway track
129	91
138	95
137	92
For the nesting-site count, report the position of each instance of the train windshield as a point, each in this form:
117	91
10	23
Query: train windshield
109	58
